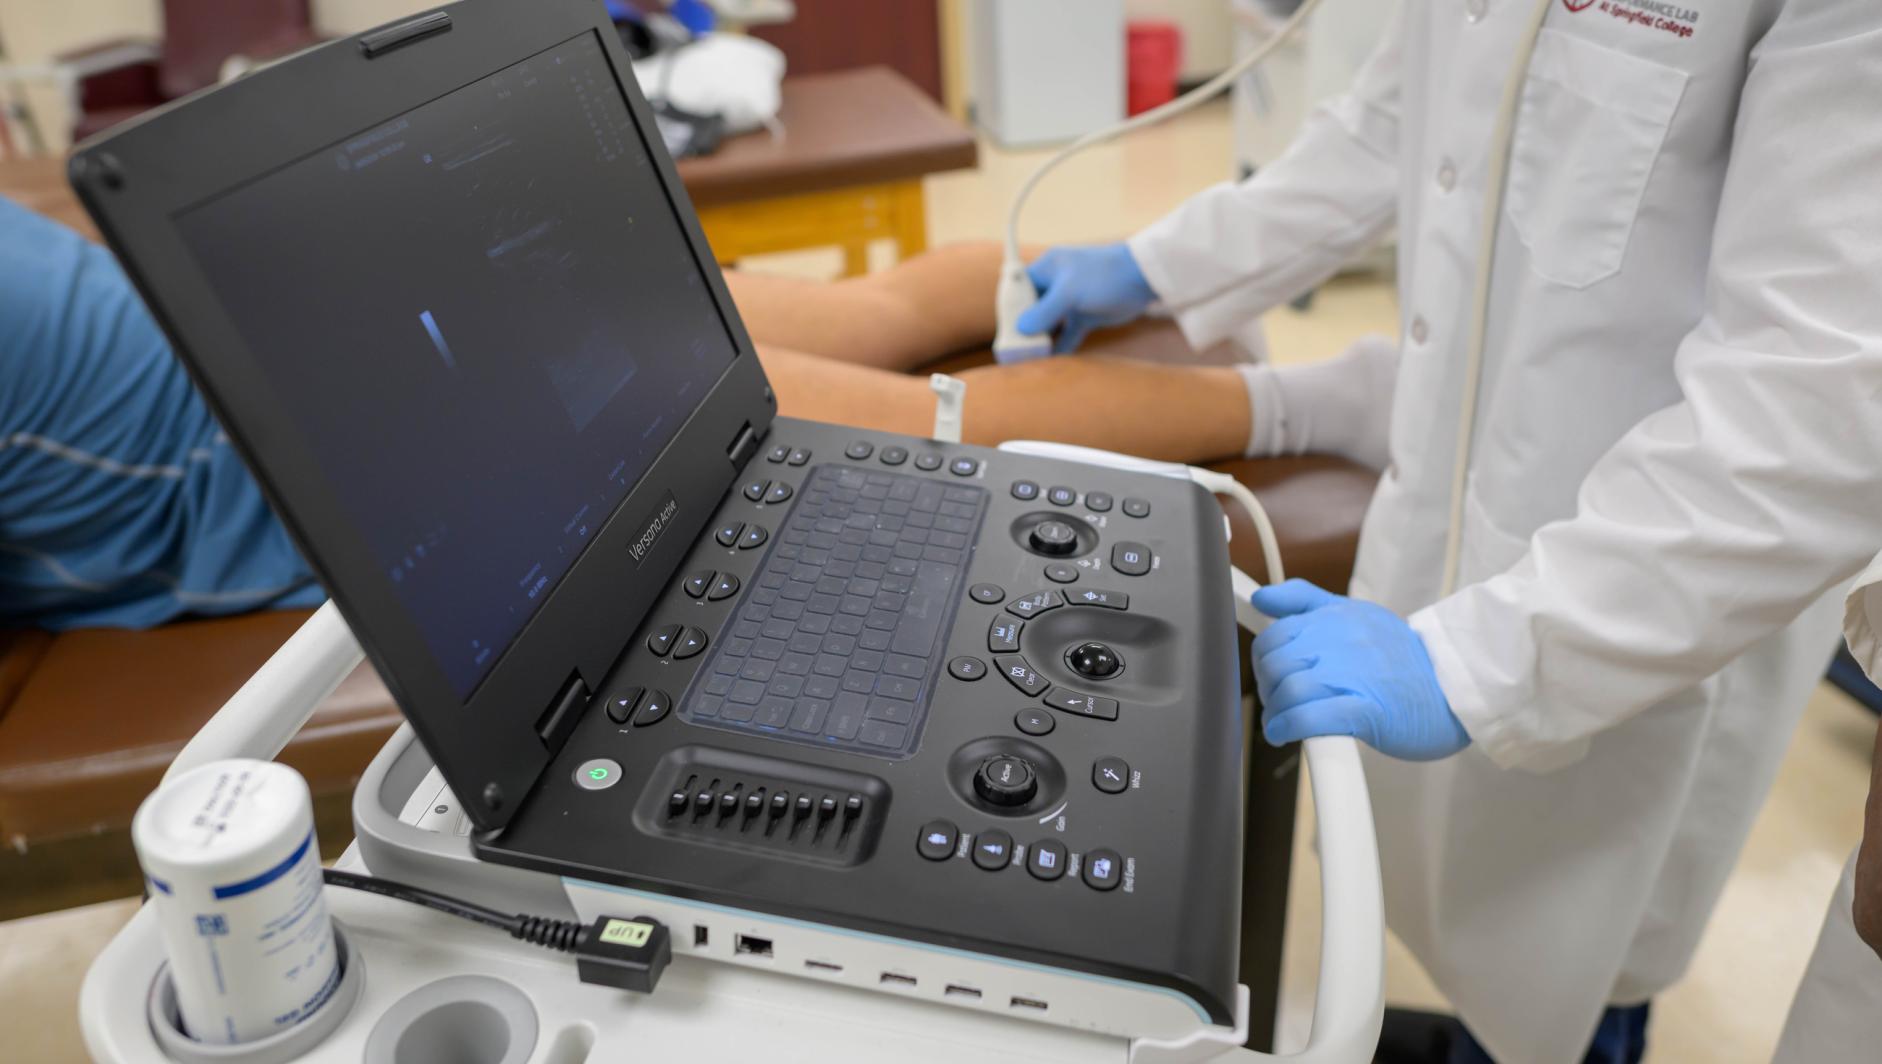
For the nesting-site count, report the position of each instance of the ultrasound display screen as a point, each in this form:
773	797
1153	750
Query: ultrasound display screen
488	322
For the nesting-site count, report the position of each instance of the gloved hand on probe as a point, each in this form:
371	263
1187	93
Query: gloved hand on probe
1332	665
1084	288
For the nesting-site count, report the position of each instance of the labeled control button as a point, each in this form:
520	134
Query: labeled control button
779	492
894	455
967	668
1060	495
1034	721
728	534
598	774
937	840
699	583
1025	490
1093	706
755	490
1021	675
1104	869
724	587
859	450
622	705
661	641
964	467
799	456
1094	660
928	463
1061	573
754	536
1136	508
1006	780
993	850
777	454
1098	502
1091	596
690	643
654	707
1003	636
1053	538
1046	859
987	593
1131	559
1034	604
1110	775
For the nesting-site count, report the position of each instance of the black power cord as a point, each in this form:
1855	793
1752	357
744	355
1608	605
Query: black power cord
612	951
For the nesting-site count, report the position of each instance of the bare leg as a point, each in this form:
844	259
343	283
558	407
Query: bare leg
1097	401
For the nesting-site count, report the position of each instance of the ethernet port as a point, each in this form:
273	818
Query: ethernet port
753	945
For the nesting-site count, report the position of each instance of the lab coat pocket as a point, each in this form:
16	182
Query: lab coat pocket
1590	126
1485	548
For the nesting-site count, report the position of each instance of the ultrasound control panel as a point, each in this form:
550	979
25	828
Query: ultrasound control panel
936	693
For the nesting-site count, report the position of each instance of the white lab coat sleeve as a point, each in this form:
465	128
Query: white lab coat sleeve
1716	521
1862	615
1230	253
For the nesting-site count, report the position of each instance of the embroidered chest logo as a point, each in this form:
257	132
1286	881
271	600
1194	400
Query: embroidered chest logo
1655	15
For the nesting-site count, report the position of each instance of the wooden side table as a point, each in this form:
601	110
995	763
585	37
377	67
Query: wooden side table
847	171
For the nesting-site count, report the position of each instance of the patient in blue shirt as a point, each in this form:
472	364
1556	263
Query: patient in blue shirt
121	502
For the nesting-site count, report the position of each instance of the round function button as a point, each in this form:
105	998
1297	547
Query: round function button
859	450
1112	775
928	463
661	641
987	593
723	588
780	491
654	707
967	668
1097	501
728	534
778	454
1061	496
1025	490
1061	573
1034	721
1006	780
690	642
621	706
964	467
894	455
1053	537
755	490
1046	859
1136	508
754	536
993	850
1103	869
1094	661
937	839
598	774
799	456
699	583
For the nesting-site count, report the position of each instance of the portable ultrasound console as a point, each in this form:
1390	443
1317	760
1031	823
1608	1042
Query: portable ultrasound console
916	716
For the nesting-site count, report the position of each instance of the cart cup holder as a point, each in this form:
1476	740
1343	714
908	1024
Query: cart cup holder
166	1019
461	1019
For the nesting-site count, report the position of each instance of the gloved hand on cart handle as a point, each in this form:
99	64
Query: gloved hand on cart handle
1331	665
1084	288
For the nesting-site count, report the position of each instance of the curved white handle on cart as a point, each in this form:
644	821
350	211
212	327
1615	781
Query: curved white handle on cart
260	719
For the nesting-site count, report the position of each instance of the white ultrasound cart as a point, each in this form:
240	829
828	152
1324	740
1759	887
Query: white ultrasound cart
420	987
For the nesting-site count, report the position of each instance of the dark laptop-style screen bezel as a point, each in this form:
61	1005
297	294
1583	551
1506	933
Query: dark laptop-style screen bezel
138	182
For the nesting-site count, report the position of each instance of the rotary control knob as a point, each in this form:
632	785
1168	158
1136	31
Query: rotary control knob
1053	538
1094	661
1006	780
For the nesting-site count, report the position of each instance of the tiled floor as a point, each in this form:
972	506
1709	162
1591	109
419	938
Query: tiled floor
1730	1007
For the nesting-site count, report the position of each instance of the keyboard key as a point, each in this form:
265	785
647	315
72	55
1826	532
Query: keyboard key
882	733
1061	496
1097	502
928	463
964	467
1136	508
1025	490
1131	559
859	450
894	456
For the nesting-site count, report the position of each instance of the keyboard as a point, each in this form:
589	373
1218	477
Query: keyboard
838	639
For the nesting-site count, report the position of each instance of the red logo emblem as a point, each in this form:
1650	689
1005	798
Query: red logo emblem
1578	5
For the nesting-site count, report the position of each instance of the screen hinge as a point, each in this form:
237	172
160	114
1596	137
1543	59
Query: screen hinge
744	445
564	710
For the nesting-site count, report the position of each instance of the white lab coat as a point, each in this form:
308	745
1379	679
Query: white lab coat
1838	1011
1677	460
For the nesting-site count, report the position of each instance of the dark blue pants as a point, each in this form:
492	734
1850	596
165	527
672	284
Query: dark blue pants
1621	1038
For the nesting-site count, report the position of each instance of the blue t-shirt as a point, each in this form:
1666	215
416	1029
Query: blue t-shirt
121	501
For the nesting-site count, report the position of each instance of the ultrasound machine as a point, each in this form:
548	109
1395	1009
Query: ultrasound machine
901	716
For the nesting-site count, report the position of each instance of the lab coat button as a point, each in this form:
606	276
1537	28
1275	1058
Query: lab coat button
1447	175
1420	330
1474	9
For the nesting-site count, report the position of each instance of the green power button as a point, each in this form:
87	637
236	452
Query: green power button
597	775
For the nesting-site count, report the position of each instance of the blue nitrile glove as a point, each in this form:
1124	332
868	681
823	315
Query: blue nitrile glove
1332	665
1081	289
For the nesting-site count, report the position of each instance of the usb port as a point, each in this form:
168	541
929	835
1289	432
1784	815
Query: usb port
897	979
701	936
1028	1003
955	990
823	966
752	944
